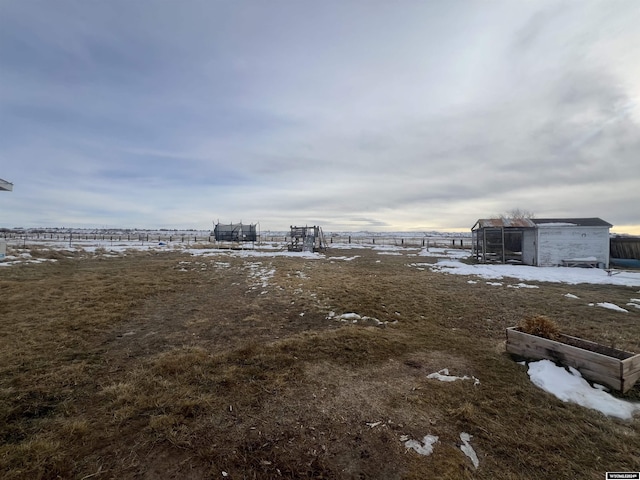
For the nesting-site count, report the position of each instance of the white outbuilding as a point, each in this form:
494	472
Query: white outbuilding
543	242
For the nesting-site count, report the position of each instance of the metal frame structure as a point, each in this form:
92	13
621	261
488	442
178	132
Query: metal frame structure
235	232
307	239
493	237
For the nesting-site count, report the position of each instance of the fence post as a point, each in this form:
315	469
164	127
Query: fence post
349	238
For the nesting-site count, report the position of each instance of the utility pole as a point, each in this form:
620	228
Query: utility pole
4	187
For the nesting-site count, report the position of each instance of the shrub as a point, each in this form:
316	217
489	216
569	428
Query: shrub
540	326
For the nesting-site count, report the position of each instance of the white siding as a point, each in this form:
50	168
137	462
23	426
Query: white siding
557	243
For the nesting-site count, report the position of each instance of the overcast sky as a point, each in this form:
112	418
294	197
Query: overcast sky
354	115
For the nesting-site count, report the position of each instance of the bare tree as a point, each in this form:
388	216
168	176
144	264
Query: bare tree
517	213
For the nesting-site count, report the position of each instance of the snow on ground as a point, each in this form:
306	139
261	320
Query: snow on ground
443	376
468	450
260	274
568	275
570	386
439	252
391	248
522	285
571	295
23	258
253	253
612	306
346	259
424	447
354	318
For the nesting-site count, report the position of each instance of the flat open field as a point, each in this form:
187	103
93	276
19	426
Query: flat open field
149	365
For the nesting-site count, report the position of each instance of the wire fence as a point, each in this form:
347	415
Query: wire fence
18	239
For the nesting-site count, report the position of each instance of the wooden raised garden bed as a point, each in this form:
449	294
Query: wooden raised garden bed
614	368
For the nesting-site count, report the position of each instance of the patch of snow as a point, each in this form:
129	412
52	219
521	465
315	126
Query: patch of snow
570	295
571	276
390	253
522	285
425	447
354	317
569	386
389	248
556	224
631	304
495	284
468	450
612	306
439	252
443	376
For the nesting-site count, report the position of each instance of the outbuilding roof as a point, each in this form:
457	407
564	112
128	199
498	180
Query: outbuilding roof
503	222
578	222
539	222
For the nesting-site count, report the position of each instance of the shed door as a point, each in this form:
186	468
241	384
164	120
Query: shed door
529	247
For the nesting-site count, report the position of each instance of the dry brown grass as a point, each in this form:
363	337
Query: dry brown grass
541	326
170	366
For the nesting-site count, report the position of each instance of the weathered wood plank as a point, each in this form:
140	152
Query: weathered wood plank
630	372
614	368
560	351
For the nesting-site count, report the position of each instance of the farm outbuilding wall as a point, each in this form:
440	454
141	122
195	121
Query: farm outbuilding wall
560	244
542	242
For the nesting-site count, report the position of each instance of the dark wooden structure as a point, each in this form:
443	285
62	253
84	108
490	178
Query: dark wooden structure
623	246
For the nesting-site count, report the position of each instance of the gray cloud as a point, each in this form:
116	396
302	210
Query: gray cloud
378	116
